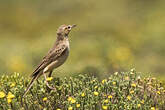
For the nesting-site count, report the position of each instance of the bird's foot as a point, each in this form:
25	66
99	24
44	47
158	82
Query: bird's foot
50	87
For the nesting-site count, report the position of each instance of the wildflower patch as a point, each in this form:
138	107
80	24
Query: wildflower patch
125	90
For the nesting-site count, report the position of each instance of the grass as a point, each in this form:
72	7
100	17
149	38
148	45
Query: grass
125	90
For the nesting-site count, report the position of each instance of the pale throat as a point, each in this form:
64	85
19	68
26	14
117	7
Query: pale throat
67	43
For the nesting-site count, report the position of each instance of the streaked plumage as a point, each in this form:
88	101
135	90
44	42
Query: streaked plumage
55	57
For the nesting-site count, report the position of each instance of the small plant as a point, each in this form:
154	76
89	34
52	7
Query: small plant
120	91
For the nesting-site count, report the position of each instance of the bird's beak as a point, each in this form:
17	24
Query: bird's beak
74	25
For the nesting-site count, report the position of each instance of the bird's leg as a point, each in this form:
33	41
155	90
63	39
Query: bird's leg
50	73
48	83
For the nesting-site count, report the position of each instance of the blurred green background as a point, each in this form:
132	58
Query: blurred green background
111	35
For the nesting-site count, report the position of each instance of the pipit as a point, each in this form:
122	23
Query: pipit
55	57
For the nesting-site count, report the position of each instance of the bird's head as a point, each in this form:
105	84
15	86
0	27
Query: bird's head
64	30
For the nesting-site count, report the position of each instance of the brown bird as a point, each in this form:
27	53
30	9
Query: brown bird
55	57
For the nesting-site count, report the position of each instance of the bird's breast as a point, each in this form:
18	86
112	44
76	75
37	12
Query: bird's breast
58	62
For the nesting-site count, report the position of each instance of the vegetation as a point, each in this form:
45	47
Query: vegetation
125	90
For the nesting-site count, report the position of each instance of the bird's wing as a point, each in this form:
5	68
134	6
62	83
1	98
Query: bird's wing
52	55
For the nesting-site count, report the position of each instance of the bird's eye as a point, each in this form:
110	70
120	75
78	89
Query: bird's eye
69	27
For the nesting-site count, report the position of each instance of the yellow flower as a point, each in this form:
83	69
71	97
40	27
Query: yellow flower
133	85
10	95
104	107
12	85
142	101
45	99
129	97
69	98
132	92
96	93
106	101
116	73
77	105
109	97
139	105
49	78
152	108
114	83
2	94
158	92
9	100
58	109
83	94
104	80
70	108
73	101
96	87
127	78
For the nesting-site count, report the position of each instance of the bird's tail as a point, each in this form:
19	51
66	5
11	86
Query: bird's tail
30	84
